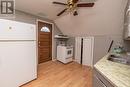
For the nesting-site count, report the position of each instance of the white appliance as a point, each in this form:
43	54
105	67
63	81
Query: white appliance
18	63
88	50
65	53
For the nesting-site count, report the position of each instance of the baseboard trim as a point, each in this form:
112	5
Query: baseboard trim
54	59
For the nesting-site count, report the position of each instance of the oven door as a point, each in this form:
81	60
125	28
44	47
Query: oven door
69	53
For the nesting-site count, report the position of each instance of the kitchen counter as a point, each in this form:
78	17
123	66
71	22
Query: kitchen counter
117	74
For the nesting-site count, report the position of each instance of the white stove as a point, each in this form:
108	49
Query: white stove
65	54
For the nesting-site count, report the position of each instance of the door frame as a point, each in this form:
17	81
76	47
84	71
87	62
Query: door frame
37	20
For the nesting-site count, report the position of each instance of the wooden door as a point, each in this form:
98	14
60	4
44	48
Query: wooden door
44	42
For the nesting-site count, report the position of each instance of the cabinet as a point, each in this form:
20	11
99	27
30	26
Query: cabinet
89	50
99	80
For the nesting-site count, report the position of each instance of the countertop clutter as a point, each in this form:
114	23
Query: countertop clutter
116	73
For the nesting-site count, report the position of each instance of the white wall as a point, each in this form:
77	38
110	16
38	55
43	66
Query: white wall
105	18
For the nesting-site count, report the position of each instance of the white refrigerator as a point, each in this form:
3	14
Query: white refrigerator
18	61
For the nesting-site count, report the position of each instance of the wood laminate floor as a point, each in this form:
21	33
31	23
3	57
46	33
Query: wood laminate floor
56	74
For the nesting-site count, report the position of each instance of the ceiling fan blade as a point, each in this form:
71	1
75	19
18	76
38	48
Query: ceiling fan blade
75	13
85	5
75	1
62	12
60	3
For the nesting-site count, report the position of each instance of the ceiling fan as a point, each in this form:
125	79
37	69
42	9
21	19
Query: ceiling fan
72	5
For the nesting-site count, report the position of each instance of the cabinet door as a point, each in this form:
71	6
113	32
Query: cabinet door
88	51
97	82
78	49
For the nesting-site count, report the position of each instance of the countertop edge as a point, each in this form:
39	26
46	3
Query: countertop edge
98	66
106	77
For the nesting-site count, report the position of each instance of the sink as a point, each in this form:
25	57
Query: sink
120	59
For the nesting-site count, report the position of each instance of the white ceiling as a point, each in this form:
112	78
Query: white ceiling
43	7
105	18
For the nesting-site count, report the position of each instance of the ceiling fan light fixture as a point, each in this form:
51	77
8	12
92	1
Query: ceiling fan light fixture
72	6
